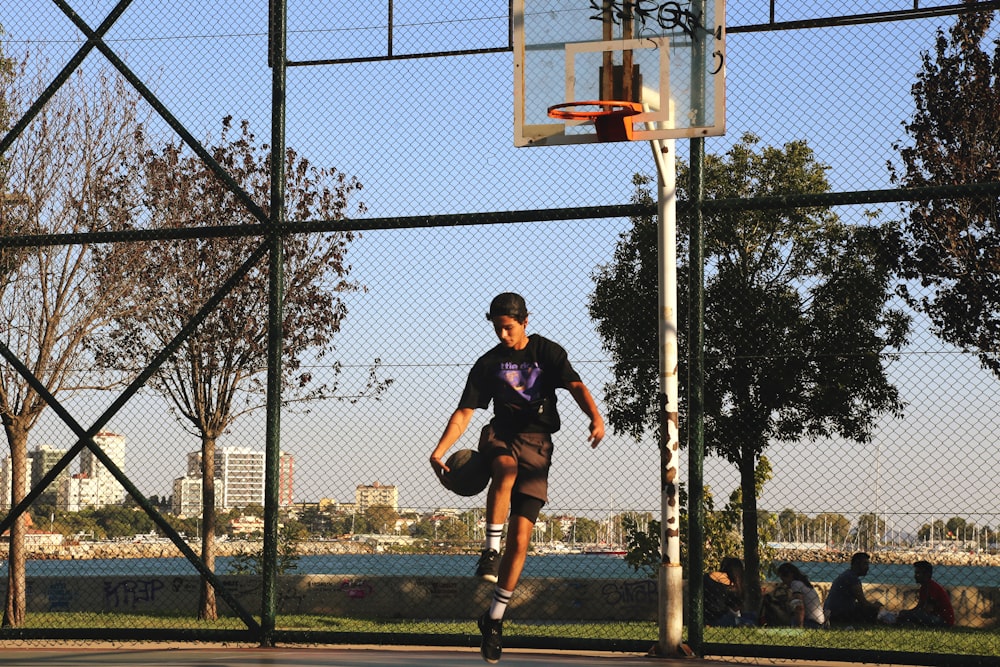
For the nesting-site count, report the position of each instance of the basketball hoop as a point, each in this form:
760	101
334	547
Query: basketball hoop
610	120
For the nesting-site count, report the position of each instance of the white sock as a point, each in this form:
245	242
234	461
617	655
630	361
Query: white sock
501	599
494	531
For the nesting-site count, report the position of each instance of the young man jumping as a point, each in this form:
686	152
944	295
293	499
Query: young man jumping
519	376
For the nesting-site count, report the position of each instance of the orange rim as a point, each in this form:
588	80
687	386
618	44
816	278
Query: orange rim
565	111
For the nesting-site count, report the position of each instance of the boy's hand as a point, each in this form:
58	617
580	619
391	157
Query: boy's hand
440	469
596	432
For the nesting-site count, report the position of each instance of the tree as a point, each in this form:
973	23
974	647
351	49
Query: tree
835	528
959	528
933	532
381	518
952	244
797	322
218	373
67	166
316	521
250	560
10	258
792	525
722	529
547	529
452	529
586	530
869	532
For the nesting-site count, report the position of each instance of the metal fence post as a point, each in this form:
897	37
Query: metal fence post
272	444
696	402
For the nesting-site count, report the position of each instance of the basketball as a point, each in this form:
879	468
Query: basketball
467	473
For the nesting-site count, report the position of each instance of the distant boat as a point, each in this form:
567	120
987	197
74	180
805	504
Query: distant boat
604	551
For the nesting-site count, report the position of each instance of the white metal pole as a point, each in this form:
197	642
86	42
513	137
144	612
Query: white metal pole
670	579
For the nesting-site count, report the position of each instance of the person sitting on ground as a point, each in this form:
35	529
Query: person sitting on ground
846	604
724	595
804	605
933	606
774	609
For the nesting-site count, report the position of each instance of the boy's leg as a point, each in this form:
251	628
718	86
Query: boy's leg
518	540
511	565
504	471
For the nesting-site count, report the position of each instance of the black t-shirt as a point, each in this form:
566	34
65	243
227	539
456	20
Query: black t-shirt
522	385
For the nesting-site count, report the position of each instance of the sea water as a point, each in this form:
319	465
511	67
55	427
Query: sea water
443	565
434	565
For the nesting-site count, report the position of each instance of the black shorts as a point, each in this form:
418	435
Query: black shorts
533	453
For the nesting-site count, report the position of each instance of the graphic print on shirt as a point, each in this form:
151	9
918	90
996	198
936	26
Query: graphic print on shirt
521	381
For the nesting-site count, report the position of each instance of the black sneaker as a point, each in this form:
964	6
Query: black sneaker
491	646
488	566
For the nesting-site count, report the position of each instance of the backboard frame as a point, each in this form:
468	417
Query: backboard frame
669	29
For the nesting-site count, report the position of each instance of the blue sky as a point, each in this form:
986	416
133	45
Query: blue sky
434	136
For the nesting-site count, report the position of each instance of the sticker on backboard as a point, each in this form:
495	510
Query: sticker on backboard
577	62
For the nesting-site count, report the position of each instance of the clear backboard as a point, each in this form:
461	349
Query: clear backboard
654	69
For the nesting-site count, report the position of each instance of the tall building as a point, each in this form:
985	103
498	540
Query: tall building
108	490
43	459
187	496
7	483
286	480
376	495
239	480
77	492
241	470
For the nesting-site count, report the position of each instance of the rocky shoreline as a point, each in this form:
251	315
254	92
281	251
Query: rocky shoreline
894	556
165	549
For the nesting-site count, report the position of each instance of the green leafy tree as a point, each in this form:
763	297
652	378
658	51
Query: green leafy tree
792	526
933	532
952	243
868	534
423	529
381	518
959	528
250	561
218	374
831	528
723	535
452	529
556	532
797	322
253	509
317	522
585	530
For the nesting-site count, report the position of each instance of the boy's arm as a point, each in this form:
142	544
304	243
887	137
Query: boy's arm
583	398
457	424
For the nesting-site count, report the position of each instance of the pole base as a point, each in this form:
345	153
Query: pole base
683	651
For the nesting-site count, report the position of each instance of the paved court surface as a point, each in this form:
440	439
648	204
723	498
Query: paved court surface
305	657
113	656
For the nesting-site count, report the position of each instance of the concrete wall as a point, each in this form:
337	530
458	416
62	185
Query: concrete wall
424	597
352	596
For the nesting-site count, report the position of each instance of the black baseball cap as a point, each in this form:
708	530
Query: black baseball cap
508	304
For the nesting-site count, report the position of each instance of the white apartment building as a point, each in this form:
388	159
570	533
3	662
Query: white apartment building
43	458
239	480
242	472
92	486
7	482
76	493
187	496
107	489
376	495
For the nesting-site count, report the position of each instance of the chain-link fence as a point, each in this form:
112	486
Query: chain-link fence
137	235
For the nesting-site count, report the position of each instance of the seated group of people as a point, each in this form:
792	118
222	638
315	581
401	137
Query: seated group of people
796	602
